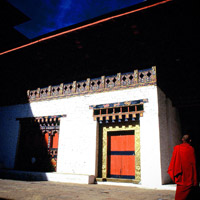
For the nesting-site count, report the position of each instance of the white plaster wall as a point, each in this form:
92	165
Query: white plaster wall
150	142
170	132
78	131
9	130
77	138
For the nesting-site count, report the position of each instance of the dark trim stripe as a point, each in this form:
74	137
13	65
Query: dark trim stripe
121	176
121	153
119	104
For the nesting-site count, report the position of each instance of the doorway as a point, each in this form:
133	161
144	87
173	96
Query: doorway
119	152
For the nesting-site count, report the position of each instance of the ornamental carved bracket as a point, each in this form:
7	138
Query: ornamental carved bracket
120	111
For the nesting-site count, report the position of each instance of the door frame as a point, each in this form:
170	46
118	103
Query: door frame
113	128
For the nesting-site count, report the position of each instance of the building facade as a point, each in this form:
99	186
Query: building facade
119	128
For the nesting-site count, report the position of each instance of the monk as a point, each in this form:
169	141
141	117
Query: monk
182	169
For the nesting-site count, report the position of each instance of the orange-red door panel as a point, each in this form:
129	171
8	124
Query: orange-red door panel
121	155
122	143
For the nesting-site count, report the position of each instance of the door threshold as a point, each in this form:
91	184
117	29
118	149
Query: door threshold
117	180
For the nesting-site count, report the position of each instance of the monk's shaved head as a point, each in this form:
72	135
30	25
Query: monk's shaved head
186	138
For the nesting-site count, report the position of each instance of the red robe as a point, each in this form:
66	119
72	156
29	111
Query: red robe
182	170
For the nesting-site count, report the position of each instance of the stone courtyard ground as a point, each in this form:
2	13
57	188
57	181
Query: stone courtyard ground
23	190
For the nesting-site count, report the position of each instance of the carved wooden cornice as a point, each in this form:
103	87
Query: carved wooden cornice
138	78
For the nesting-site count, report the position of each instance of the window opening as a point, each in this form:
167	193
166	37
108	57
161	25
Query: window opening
38	144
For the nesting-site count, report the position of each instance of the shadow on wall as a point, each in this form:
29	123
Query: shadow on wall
33	148
190	125
26	148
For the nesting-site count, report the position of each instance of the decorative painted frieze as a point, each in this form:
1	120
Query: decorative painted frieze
137	78
119	111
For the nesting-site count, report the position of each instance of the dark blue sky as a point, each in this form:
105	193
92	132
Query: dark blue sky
50	15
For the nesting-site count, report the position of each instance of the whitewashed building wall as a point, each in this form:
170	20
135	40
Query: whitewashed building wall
78	138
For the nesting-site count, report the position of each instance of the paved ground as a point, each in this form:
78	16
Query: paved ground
10	189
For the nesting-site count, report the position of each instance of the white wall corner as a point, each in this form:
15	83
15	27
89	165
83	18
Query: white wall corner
169	129
150	141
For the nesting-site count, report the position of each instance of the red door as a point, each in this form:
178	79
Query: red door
121	155
54	149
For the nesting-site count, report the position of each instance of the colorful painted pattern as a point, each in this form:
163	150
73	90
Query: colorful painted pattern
121	111
119	104
138	78
127	141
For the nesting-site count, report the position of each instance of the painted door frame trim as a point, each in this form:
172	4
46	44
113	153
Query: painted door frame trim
136	129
